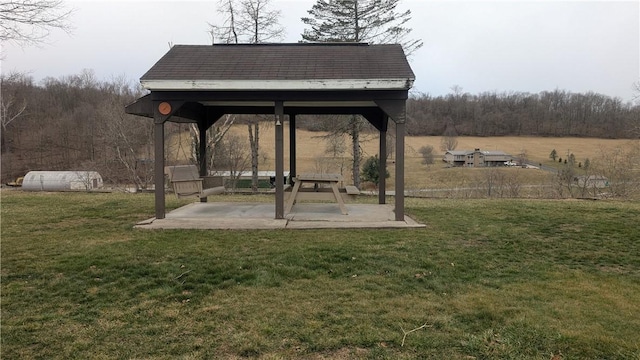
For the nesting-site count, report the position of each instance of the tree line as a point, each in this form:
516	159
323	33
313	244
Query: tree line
78	122
74	123
555	113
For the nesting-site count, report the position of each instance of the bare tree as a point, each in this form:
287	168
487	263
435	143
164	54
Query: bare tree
356	123
131	152
491	183
523	157
427	154
11	107
449	140
566	180
128	139
619	168
635	126
258	22
86	178
215	134
335	149
335	146
253	128
226	32
28	22
391	143
513	184
250	21
261	24
236	159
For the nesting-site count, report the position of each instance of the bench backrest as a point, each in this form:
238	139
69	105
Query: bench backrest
182	172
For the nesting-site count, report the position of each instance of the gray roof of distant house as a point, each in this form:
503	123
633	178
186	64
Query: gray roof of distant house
469	152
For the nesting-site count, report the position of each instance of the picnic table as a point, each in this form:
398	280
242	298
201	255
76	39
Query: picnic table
317	180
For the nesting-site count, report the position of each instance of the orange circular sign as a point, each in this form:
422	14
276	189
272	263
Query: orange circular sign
164	108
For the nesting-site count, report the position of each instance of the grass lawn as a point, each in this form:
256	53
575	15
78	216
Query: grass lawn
506	279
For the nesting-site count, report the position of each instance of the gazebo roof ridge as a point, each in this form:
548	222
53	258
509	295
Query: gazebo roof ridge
281	66
312	43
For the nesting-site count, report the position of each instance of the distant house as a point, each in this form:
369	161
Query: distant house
476	158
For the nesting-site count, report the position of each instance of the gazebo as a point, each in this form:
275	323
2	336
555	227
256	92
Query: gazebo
201	83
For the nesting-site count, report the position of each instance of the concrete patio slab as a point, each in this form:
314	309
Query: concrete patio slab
233	215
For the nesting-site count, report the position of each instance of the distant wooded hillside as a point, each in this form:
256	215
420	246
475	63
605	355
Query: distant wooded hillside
78	122
549	113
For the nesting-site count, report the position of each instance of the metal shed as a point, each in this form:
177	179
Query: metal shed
62	181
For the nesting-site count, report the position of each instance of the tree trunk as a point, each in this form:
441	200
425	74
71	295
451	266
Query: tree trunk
355	125
254	136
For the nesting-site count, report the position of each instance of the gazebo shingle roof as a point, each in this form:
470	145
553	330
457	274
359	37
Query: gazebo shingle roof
201	83
302	61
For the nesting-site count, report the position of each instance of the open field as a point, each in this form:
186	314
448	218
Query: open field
312	145
506	279
312	157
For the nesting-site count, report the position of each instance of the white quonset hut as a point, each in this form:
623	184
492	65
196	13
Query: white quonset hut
62	181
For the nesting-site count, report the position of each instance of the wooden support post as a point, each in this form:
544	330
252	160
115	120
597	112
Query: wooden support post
202	150
382	168
158	133
399	209
292	145
397	110
279	114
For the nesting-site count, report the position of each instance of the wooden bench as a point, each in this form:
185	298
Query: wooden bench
186	182
352	190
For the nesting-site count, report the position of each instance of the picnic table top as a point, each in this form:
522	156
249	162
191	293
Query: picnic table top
319	177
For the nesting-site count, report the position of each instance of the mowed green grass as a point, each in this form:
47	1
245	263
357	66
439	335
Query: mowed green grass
507	279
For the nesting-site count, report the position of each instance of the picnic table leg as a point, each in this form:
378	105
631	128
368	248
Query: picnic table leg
292	198
336	193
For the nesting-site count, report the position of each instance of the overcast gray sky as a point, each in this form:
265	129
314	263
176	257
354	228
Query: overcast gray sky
502	46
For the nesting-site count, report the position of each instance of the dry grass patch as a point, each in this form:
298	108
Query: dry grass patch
312	157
